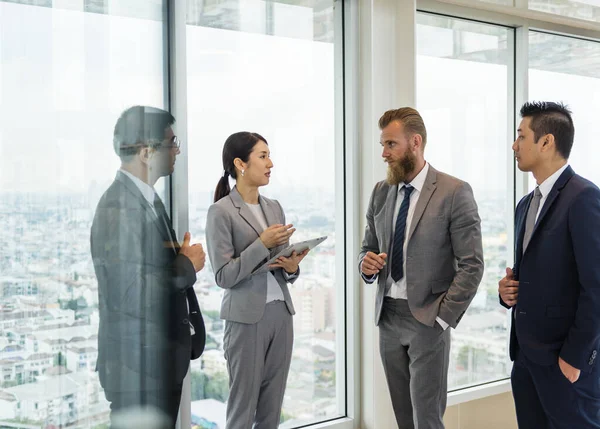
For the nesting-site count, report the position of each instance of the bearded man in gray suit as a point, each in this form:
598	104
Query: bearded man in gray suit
423	245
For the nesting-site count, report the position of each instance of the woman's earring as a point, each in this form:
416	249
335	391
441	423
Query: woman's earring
242	172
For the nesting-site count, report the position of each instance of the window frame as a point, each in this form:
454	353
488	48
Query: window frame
501	385
347	368
522	20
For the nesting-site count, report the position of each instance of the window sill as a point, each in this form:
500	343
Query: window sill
478	392
341	423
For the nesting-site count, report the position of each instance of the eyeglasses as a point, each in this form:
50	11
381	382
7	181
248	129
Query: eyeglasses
175	143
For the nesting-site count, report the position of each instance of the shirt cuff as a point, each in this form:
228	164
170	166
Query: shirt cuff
368	279
443	324
289	276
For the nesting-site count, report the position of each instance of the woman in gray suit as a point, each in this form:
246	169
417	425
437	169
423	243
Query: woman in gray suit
243	231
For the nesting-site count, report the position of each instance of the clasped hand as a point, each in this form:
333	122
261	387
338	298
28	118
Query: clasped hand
372	263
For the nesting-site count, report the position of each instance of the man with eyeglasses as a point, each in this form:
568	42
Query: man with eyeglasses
150	321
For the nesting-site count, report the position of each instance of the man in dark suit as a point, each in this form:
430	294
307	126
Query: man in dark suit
150	321
429	223
554	287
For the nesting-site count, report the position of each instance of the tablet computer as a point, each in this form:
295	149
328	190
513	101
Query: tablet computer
287	252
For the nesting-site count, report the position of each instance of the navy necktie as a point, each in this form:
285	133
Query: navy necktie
399	234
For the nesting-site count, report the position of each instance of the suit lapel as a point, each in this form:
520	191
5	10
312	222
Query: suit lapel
563	179
520	225
547	204
389	216
133	189
428	190
273	216
269	211
245	212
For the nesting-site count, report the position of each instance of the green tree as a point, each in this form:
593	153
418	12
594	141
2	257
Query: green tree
285	416
60	359
211	314
470	355
210	387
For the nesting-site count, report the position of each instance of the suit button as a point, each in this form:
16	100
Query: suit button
185	322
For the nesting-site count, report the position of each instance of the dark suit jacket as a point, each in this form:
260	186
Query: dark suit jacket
558	306
144	339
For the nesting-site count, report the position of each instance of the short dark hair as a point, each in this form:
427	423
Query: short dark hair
548	117
140	126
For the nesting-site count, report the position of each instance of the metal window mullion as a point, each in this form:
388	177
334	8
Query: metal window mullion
346	69
179	183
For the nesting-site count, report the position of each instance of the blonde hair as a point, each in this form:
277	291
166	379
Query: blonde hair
409	117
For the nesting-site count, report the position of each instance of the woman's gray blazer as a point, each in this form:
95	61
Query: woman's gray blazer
236	251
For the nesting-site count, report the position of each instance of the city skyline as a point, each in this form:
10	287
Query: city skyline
70	279
68	68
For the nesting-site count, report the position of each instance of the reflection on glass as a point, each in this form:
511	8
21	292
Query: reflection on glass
275	75
580	9
568	70
466	112
150	322
65	76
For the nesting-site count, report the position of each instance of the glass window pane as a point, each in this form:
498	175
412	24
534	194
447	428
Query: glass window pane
580	9
65	76
568	70
268	67
466	110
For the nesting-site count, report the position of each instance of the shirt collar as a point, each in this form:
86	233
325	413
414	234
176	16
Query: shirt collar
419	181
547	185
147	191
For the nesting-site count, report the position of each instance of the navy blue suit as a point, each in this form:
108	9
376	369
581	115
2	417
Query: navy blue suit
558	308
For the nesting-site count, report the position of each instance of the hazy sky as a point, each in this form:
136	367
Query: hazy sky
282	88
65	76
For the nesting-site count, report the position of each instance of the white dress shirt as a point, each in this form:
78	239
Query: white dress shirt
398	290
147	191
149	195
546	186
274	292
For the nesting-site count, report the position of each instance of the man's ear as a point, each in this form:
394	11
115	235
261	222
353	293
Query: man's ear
145	154
548	141
417	141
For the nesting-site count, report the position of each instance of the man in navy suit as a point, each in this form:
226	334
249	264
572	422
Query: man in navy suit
554	287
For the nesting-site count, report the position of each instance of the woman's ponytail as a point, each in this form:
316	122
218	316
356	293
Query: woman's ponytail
223	188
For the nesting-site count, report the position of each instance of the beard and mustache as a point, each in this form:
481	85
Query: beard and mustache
398	171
